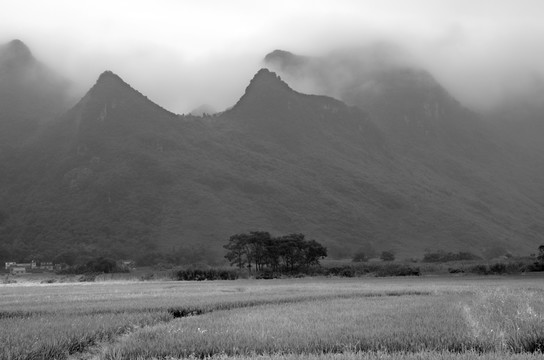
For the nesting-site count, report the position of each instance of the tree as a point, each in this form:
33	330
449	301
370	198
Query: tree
5	254
387	256
102	264
540	256
288	253
291	250
237	250
314	252
256	247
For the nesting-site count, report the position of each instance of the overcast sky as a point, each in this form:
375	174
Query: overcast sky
186	53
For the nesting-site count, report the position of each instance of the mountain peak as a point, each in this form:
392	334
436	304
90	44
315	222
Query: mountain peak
265	73
284	58
267	80
113	101
278	54
16	43
109	76
109	84
16	52
265	89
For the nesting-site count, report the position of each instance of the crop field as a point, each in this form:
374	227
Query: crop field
464	317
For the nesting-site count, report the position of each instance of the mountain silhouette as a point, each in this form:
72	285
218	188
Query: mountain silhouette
118	175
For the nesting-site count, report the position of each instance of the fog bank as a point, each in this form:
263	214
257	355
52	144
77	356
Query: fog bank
184	54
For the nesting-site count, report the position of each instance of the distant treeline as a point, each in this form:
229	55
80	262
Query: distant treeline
100	265
260	251
442	256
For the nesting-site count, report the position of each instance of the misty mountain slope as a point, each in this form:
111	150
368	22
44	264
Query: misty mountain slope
420	119
520	123
273	111
29	93
406	102
92	176
520	126
96	182
428	128
119	175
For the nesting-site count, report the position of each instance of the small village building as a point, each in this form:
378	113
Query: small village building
17	270
27	266
47	266
126	264
30	267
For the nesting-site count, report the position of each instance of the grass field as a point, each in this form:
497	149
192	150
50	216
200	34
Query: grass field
312	318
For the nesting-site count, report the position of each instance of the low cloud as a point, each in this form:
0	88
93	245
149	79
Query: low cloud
184	54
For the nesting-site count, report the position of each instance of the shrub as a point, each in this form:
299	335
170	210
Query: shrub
479	269
48	281
387	256
537	266
455	270
267	275
360	256
398	270
498	268
89	277
147	277
7	281
380	270
342	271
205	274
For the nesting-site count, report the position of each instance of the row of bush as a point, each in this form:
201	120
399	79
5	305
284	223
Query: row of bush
380	270
498	268
206	274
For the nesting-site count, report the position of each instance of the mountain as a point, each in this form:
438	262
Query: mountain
405	101
92	179
120	176
273	111
448	145
118	169
30	93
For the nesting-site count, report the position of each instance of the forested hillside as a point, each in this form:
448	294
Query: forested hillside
118	175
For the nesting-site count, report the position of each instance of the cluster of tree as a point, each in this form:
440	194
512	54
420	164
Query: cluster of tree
539	264
363	256
287	253
98	265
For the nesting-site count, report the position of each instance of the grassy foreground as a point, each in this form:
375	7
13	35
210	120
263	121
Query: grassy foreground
327	318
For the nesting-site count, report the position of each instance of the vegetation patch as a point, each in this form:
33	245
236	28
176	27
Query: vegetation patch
375	269
395	324
246	318
206	274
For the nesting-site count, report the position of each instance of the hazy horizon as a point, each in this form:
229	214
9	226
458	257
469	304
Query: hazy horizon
185	54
